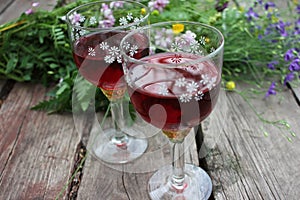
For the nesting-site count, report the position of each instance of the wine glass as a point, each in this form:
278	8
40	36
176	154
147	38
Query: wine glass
95	31
174	89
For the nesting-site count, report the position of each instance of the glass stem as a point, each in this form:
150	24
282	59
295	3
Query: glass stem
177	179
116	106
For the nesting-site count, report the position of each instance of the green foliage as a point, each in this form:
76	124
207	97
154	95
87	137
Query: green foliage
36	48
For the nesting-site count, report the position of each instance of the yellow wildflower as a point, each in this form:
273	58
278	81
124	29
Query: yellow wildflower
207	40
177	28
143	11
230	85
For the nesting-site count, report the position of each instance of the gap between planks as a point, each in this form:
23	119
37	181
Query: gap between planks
128	181
295	91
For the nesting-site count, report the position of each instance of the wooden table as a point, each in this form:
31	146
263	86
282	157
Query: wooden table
46	157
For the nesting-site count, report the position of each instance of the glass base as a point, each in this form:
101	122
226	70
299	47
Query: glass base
108	149
197	185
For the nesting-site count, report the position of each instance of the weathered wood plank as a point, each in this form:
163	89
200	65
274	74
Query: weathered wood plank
37	150
4	4
13	9
244	164
129	181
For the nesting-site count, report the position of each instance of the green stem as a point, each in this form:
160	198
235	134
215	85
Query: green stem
11	76
72	177
276	123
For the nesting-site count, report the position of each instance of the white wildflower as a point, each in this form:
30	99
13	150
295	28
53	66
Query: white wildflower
123	21
129	16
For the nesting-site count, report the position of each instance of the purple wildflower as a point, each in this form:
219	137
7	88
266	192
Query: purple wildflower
106	23
221	5
116	4
189	36
251	14
268	30
289	55
297	22
295	65
289	77
106	10
35	4
297	30
280	26
109	19
164	37
271	90
75	18
298	9
269	5
158	5
271	65
29	11
259	2
297	27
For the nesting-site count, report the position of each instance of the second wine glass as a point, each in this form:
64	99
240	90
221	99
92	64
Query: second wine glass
95	30
174	89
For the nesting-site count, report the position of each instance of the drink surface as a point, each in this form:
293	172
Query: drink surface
98	58
174	98
89	59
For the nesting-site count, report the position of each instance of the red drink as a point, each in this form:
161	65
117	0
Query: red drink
176	98
98	59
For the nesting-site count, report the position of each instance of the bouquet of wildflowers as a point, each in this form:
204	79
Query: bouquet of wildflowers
261	45
283	33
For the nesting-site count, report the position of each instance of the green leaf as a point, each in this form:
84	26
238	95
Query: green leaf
85	92
12	63
62	89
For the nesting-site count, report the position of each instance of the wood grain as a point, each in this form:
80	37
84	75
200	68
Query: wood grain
37	149
4	5
245	164
129	181
12	9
